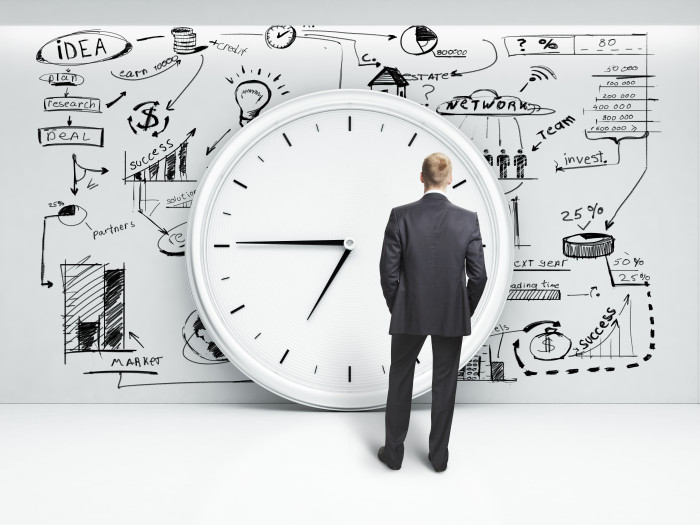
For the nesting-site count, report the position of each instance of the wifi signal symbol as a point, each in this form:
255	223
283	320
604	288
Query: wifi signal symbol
539	73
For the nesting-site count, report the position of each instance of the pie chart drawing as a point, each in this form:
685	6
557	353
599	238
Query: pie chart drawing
418	40
199	348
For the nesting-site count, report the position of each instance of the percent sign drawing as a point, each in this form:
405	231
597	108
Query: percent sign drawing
595	210
548	43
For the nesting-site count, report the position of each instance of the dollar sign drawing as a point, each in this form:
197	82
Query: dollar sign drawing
548	346
151	119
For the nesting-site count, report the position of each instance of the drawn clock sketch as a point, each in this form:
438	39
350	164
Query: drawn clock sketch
578	125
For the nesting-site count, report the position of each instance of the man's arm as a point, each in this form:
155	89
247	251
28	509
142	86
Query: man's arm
390	261
476	269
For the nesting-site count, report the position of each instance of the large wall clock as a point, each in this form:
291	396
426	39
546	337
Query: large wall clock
285	235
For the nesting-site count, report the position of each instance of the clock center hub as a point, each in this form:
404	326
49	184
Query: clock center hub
349	243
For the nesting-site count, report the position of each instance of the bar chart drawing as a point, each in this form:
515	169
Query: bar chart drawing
168	170
171	168
483	368
93	308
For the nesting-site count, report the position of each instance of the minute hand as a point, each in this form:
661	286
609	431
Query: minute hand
303	243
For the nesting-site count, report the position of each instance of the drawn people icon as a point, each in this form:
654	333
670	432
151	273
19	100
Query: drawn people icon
520	161
503	161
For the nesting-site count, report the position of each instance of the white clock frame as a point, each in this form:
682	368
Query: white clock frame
498	221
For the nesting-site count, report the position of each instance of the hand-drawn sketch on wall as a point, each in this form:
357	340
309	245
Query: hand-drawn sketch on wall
80	172
389	80
72	103
83	47
172	242
63	78
280	37
570	123
199	348
418	40
539	73
145	118
252	95
94	308
483	367
185	41
70	215
165	164
72	135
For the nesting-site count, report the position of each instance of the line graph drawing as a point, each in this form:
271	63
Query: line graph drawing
618	341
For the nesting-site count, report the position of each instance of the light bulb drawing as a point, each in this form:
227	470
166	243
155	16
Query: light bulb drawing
251	97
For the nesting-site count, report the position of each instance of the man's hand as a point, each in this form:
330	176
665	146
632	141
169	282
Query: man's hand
475	267
390	261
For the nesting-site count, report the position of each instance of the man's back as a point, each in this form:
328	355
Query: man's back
428	245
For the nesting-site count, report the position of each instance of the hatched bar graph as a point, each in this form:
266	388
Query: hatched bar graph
94	308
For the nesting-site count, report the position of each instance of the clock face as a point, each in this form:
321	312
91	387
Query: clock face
286	232
280	37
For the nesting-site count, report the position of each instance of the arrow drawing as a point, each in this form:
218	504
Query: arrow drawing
213	146
161	229
133	336
171	103
76	178
110	104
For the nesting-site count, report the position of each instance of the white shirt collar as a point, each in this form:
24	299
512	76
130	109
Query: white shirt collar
436	191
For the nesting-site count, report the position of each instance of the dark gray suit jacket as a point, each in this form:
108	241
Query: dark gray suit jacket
428	245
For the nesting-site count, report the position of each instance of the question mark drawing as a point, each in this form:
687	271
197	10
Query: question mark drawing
521	41
428	92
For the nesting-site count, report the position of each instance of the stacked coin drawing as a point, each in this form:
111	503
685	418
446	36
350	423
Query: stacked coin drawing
185	40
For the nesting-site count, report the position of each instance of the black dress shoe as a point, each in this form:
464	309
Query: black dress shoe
380	455
441	469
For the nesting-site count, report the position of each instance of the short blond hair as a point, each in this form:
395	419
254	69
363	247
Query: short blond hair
436	169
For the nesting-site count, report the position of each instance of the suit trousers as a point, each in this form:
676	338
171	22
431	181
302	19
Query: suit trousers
404	352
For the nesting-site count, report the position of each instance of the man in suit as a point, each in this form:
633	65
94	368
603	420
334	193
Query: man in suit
428	245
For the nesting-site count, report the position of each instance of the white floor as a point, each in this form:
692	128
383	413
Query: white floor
249	464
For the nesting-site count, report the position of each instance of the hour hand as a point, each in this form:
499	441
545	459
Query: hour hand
334	242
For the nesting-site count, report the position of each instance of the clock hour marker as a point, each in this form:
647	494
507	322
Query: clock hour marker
236	309
349	123
412	139
261	159
459	183
383	369
284	356
417	360
287	139
317	128
315	369
349	374
381	130
227	213
222	246
258	335
240	184
225	278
